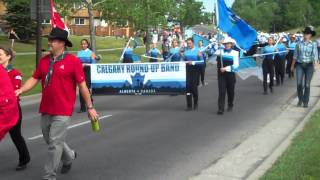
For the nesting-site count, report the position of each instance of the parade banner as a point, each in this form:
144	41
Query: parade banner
167	78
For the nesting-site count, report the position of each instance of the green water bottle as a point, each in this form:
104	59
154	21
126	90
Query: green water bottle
95	125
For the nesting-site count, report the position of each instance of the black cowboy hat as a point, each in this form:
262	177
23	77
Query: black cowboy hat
309	30
60	34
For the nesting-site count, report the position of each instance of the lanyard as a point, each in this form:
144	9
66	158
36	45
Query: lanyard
50	72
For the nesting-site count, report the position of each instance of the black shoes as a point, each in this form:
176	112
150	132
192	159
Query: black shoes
299	104
220	112
23	165
67	167
229	108
195	107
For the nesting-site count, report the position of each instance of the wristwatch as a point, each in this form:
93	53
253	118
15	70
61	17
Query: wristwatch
90	107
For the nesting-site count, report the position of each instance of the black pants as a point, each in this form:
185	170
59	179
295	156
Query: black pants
267	68
226	85
193	73
127	60
289	63
87	74
19	142
202	73
153	60
279	64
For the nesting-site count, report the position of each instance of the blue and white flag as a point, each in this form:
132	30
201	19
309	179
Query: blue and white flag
197	38
248	67
234	26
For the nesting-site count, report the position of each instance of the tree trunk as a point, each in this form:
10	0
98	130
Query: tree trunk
91	26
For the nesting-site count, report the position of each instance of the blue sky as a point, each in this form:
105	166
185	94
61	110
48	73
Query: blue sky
209	4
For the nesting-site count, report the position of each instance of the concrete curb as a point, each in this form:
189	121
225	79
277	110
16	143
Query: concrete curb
269	161
256	154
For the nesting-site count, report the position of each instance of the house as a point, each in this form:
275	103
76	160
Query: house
78	23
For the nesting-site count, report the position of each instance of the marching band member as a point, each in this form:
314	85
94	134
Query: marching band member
268	65
228	62
280	61
87	57
291	45
154	53
175	51
194	60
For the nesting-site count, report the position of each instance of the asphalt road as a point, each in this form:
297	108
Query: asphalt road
151	137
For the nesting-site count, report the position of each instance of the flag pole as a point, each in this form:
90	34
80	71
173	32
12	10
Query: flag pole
121	58
217	24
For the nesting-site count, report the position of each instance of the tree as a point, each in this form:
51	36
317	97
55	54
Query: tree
187	12
278	15
18	17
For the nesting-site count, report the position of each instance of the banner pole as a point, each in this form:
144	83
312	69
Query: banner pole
121	58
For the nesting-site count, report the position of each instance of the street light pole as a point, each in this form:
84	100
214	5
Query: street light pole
38	32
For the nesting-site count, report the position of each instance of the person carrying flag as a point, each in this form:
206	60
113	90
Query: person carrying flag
194	59
228	62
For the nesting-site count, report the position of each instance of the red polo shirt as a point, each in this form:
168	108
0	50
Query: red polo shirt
9	111
16	79
59	97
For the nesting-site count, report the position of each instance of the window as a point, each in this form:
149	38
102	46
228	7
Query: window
79	21
46	21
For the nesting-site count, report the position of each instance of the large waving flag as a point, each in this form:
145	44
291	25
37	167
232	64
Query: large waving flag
248	67
56	20
234	26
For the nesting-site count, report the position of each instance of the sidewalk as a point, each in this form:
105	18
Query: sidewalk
255	155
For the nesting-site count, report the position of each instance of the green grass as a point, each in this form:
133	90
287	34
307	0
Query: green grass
301	161
101	43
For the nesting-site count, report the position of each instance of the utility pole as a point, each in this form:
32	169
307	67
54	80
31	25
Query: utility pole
146	20
38	32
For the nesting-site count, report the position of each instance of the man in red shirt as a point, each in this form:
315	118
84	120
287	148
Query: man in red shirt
59	73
